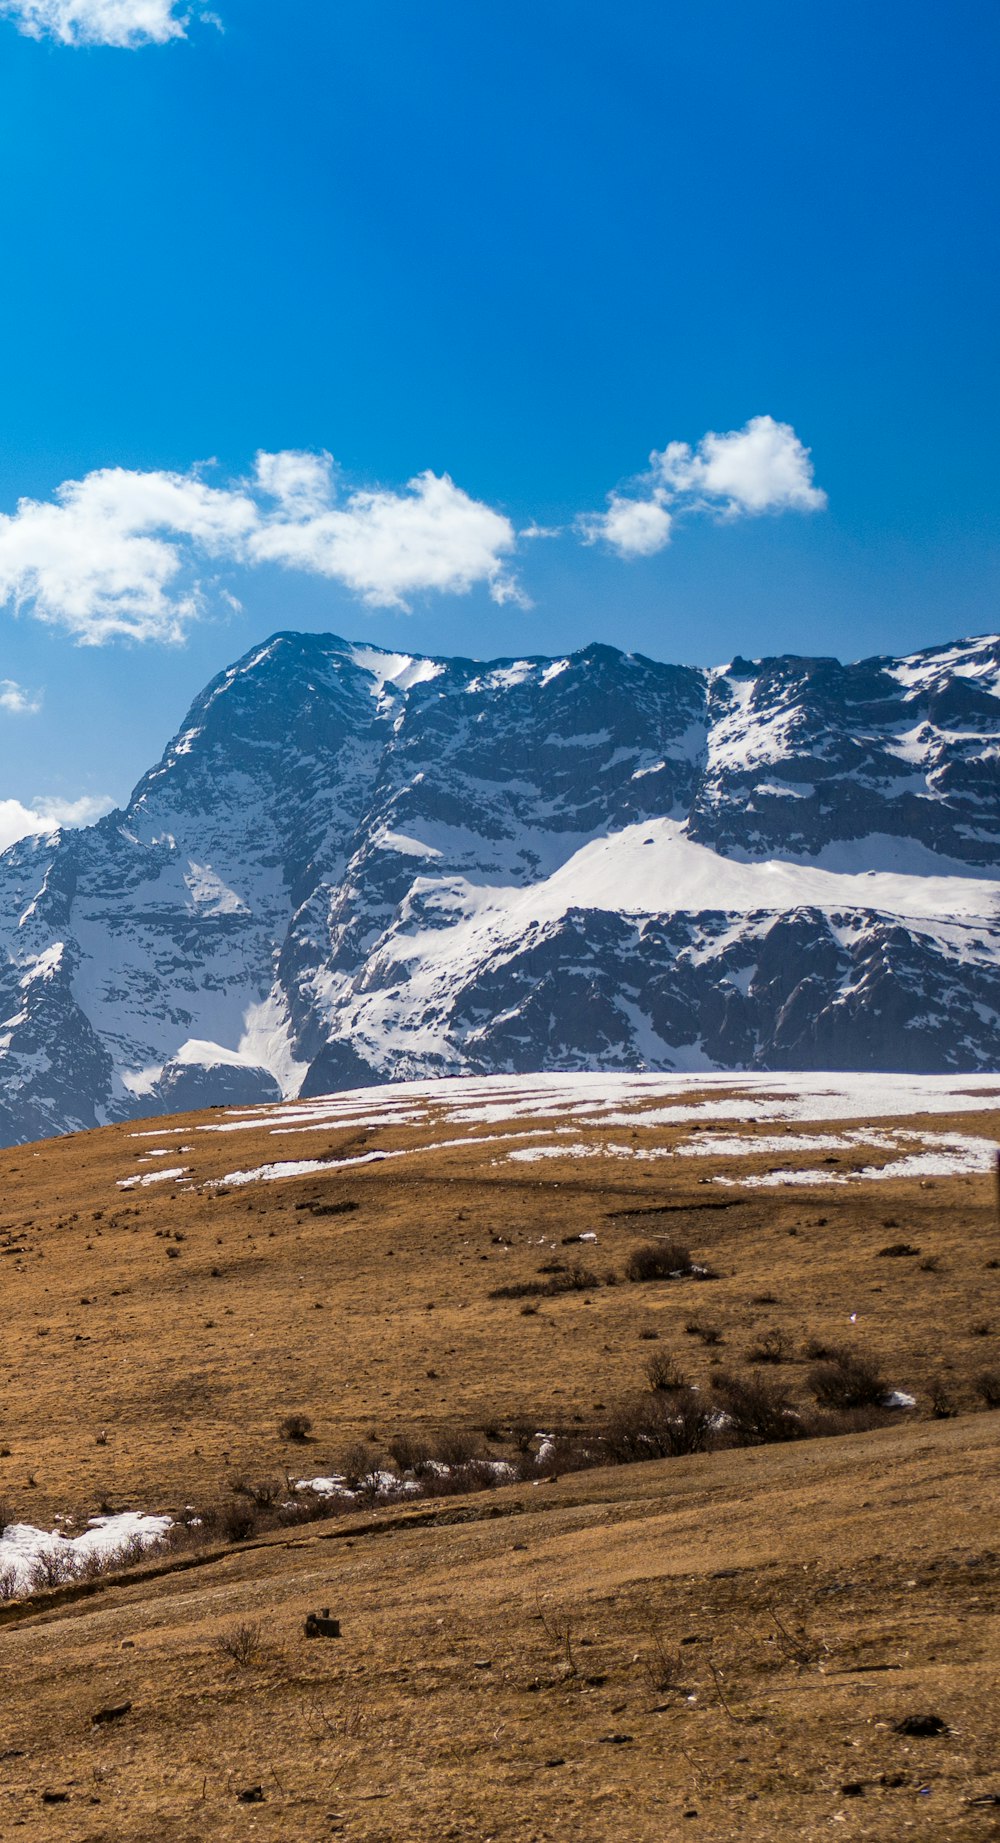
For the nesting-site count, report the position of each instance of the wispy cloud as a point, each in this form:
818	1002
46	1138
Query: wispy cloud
763	467
16	700
125	553
45	816
123	23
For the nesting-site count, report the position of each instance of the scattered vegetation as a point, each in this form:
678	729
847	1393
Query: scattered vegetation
848	1379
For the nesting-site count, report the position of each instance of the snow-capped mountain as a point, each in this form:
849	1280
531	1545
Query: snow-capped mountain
353	865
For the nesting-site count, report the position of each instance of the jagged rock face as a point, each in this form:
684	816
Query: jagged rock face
353	865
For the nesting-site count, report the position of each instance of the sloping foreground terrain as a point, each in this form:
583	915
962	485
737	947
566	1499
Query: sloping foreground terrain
726	1644
354	866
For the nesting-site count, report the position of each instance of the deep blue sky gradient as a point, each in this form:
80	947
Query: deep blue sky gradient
523	244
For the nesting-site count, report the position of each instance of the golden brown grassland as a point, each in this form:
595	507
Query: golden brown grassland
715	1646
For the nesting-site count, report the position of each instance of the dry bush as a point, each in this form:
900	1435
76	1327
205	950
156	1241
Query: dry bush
898	1250
848	1379
360	1467
573	1279
769	1347
654	1427
408	1453
9	1589
759	1412
243	1643
457	1446
659	1260
943	1406
663	1372
708	1333
567	1452
295	1427
988	1387
50	1570
232	1520
266	1495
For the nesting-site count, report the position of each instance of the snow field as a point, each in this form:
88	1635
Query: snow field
595	1102
31	1558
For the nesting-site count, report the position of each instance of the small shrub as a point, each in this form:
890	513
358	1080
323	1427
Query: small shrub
931	1263
242	1644
295	1427
266	1495
664	1374
981	1328
456	1446
566	1452
848	1379
988	1386
408	1453
658	1260
942	1404
8	1584
759	1412
238	1520
709	1334
897	1250
50	1569
770	1347
360	1468
574	1279
817	1349
656	1427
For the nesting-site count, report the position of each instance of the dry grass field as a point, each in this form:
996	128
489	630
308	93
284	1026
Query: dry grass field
718	1645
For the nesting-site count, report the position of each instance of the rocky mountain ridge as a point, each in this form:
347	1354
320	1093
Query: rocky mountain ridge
353	865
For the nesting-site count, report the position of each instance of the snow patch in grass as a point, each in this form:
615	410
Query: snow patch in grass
143	1178
31	1558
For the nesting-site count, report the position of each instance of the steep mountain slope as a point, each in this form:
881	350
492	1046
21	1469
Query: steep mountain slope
353	865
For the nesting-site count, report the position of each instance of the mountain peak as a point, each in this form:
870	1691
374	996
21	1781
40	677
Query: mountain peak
354	863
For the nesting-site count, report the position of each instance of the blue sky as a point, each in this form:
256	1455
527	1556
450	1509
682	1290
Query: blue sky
518	249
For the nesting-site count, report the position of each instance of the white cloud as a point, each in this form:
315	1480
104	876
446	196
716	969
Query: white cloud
124	23
15	699
633	527
44	816
386	546
112	553
763	467
122	553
